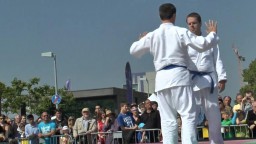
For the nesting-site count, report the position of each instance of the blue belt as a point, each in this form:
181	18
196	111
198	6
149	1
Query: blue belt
172	66
197	73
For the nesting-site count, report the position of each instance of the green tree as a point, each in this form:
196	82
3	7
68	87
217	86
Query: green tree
2	90
249	76
36	98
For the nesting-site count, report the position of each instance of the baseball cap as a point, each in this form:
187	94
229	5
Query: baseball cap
85	110
65	128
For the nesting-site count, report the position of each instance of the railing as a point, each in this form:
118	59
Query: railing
140	136
55	139
117	137
241	131
100	138
147	135
236	131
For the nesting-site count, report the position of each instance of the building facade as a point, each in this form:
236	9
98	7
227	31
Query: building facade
108	98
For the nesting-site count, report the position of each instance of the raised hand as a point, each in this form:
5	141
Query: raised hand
142	35
211	26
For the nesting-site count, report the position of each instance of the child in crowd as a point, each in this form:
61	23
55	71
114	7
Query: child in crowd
21	130
65	139
227	131
241	131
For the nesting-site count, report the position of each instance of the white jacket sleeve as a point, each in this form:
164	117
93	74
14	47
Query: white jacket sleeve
221	72
199	43
141	46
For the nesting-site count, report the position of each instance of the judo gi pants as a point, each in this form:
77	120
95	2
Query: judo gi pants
172	100
210	105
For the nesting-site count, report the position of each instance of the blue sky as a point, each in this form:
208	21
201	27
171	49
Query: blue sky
91	38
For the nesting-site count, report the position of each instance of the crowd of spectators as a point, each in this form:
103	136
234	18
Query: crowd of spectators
239	120
132	121
63	128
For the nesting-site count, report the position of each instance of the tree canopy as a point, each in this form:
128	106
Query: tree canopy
249	76
36	98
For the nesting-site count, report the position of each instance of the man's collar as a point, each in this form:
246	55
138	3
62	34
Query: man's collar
167	23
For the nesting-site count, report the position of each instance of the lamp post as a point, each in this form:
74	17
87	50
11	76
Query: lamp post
52	55
145	79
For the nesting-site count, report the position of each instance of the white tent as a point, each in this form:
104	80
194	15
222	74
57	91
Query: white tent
153	97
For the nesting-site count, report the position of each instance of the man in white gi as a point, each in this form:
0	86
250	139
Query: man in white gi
168	44
208	75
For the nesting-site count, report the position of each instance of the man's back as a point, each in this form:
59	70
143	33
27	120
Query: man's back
167	46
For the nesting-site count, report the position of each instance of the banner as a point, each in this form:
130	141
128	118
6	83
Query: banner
128	75
67	85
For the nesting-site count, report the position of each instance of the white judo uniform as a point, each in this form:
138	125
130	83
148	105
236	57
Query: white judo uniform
211	63
168	44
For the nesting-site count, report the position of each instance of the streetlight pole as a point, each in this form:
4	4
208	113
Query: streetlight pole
55	75
52	55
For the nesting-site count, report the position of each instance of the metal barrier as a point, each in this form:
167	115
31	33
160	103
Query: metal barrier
241	131
202	133
117	137
23	141
139	136
147	135
102	137
235	131
55	139
107	137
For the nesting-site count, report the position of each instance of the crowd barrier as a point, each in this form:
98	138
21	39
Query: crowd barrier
141	136
55	139
148	135
241	131
117	137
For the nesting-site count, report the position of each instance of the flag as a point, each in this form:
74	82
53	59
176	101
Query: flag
68	84
128	75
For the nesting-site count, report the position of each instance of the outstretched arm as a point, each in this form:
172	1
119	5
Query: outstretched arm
200	43
141	46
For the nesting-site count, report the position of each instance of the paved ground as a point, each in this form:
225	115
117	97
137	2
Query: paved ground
250	141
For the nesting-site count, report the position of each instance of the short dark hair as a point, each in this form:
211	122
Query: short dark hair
220	99
166	11
239	94
122	104
227	97
195	15
133	105
3	116
58	110
154	102
249	91
30	116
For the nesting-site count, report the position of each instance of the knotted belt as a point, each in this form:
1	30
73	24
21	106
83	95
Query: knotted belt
172	66
197	73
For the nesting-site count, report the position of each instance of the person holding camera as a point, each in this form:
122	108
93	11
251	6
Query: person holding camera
251	119
247	101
